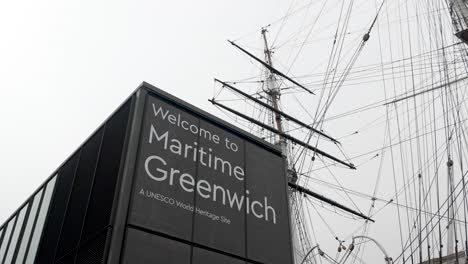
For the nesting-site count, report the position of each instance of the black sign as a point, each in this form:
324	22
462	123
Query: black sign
145	248
201	183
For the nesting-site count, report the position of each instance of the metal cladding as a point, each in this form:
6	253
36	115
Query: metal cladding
164	182
198	182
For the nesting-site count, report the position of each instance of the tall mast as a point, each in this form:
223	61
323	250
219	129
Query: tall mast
300	239
274	94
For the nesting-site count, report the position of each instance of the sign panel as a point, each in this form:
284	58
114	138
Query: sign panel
201	256
145	248
164	190
266	241
197	181
227	178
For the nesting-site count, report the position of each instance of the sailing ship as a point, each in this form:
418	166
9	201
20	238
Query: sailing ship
367	100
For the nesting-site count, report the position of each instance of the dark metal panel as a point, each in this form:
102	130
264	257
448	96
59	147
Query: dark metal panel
268	237
76	210
144	248
124	188
94	251
54	222
220	221
98	215
463	35
67	259
202	256
158	202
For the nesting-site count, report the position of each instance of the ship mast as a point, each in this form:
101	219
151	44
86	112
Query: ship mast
279	137
299	238
274	95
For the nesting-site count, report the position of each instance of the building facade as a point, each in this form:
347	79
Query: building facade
159	182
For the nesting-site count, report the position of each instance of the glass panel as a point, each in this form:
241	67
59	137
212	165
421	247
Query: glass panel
6	238
58	206
40	221
29	225
16	233
1	238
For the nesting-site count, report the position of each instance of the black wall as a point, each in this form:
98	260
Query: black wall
158	224
79	218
